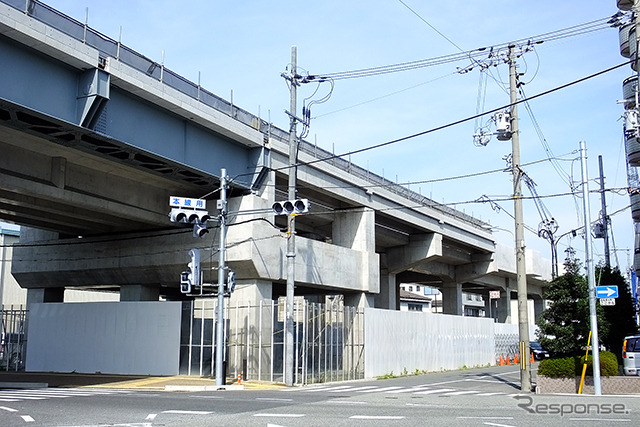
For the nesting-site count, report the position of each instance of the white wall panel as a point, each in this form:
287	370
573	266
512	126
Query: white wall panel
396	341
136	338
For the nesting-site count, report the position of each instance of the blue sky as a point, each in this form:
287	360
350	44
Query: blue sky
243	47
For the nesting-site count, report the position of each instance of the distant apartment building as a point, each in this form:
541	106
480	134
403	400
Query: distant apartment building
415	297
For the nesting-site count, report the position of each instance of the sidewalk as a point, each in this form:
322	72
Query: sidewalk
170	383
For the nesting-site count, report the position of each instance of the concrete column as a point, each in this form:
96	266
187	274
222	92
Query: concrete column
355	229
360	300
388	296
41	295
489	306
452	298
251	315
538	308
139	293
251	291
504	305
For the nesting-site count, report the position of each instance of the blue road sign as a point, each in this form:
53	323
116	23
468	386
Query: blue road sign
607	291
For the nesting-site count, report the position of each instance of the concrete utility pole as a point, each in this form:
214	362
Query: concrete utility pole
291	243
605	218
220	349
521	266
591	275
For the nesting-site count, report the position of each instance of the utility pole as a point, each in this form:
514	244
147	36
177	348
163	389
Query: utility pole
591	276
220	349
521	266
291	243
605	218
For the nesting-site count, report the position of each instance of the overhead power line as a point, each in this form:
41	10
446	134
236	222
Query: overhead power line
457	122
576	30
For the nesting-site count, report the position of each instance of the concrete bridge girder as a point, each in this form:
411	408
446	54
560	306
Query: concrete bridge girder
96	125
255	251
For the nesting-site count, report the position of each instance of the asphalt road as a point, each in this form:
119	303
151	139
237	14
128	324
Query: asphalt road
476	397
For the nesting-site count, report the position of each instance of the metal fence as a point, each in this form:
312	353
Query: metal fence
13	340
328	340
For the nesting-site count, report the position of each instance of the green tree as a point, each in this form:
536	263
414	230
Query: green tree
620	317
565	324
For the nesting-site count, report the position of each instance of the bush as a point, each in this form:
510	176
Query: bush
564	367
569	367
608	364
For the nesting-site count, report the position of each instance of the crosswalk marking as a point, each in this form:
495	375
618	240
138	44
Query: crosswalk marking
437	390
407	390
44	394
330	389
495	393
380	390
355	389
460	392
3	396
417	390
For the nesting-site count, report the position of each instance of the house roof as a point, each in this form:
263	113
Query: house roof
410	296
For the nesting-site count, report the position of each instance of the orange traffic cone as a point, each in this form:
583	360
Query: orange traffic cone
501	360
532	359
516	359
508	361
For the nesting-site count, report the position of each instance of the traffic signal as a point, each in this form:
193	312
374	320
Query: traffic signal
190	211
185	282
189	216
288	207
200	229
191	277
231	281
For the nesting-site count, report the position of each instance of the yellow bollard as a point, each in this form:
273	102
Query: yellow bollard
584	367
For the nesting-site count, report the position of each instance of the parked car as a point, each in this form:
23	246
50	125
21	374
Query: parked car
538	352
631	355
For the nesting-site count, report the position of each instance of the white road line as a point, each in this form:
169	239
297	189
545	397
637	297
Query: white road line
273	399
314	389
18	397
4	408
407	390
181	412
280	415
358	388
380	390
331	389
485	381
494	393
438	390
461	392
27	418
440	383
348	402
498	425
22	395
151	417
9	400
376	417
